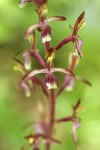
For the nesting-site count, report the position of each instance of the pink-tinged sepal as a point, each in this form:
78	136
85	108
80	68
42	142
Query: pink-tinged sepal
75	126
27	87
78	42
64	71
80	22
33	73
69	84
56	18
22	3
73	61
78	46
27	60
31	29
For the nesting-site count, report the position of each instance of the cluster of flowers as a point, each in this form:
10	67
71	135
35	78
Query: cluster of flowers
50	82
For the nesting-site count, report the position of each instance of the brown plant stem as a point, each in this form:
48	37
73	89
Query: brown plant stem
51	117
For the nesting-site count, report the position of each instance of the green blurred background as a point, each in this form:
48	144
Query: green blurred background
15	109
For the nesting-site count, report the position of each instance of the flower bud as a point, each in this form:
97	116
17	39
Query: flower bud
70	85
26	89
27	60
76	125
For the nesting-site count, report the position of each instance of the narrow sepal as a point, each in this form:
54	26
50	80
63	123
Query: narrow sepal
56	18
75	126
63	70
33	73
31	29
79	22
83	80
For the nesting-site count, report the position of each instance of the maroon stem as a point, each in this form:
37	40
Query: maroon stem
51	116
47	46
65	41
51	101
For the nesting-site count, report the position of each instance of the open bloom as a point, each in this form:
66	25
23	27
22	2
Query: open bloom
28	86
43	27
74	119
78	43
69	82
50	80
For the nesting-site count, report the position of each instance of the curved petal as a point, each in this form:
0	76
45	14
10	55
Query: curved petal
33	73
63	70
83	80
79	23
31	29
56	18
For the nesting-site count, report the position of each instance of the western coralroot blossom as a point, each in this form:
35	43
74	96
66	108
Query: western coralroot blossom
44	127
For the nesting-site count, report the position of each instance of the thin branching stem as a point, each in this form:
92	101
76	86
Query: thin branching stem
51	116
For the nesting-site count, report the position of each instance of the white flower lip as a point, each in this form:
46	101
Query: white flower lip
28	66
51	85
47	38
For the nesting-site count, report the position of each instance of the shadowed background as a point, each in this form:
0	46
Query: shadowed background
15	109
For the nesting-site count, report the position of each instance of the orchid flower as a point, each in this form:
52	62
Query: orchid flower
74	119
44	127
27	86
44	28
80	22
69	82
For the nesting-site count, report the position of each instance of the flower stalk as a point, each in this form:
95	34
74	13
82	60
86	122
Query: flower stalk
51	116
43	128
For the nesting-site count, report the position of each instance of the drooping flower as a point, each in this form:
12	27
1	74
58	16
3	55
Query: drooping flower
74	119
78	43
